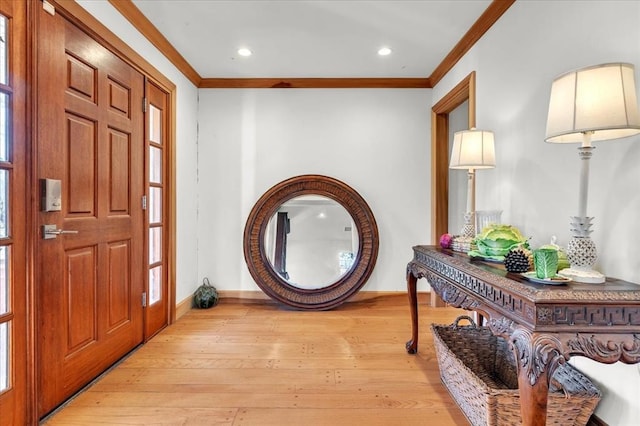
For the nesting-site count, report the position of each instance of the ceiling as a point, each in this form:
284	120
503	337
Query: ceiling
313	39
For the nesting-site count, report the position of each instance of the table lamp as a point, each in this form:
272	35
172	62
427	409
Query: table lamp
591	104
472	149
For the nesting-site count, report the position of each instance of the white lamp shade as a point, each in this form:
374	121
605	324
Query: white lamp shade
473	149
600	99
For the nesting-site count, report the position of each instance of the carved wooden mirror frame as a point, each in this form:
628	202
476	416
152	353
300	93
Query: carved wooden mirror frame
271	282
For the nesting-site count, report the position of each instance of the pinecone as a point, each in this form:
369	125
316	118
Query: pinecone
518	259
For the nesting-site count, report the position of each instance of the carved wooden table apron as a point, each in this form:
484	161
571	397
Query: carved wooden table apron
544	324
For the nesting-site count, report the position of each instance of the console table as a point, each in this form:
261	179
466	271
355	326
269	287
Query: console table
545	324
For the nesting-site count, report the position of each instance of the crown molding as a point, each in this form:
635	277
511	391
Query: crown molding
489	17
146	28
315	83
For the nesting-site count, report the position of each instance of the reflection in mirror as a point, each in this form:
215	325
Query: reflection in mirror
311	241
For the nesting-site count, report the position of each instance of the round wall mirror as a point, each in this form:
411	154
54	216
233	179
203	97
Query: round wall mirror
311	242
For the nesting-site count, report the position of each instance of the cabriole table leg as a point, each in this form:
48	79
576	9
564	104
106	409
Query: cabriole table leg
412	280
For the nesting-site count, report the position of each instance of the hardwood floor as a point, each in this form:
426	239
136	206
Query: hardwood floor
256	363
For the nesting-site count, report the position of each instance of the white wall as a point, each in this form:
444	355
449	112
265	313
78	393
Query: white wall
375	140
536	183
186	140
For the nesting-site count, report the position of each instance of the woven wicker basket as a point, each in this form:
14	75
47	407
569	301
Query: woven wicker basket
479	371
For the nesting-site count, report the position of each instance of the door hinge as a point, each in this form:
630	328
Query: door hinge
144	300
144	104
144	202
48	7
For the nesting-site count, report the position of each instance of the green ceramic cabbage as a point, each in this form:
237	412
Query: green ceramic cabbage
496	240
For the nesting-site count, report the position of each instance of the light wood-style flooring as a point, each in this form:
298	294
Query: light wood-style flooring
257	363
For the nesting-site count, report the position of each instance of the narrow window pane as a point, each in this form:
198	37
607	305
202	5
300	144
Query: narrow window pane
4	39
4	280
4	203
155	284
155	165
4	356
155	205
155	125
4	127
155	245
5	306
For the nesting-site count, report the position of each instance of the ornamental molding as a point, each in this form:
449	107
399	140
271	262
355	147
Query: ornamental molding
439	273
458	268
451	294
536	354
606	350
587	315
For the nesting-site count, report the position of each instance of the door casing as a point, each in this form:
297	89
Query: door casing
465	90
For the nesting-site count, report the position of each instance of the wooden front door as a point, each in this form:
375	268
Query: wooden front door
89	276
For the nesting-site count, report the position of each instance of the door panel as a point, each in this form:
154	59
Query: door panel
90	136
81	143
82	79
120	164
120	290
80	289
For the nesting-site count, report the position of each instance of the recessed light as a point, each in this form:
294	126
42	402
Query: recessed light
384	51
244	52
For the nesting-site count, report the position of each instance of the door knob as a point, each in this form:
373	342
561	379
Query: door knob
51	231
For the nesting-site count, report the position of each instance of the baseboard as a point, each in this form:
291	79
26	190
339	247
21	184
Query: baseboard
258	296
368	295
249	295
183	306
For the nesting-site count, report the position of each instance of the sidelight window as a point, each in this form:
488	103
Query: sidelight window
156	192
6	167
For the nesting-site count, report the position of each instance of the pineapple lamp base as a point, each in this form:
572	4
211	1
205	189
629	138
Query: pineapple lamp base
582	254
468	229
